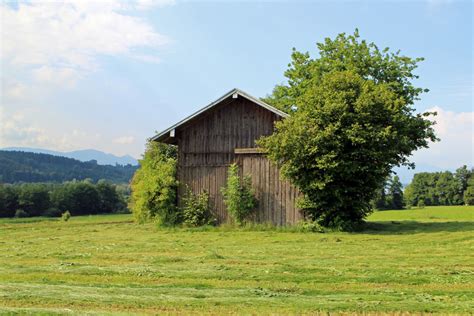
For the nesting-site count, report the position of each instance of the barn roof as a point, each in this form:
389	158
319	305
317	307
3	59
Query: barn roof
234	93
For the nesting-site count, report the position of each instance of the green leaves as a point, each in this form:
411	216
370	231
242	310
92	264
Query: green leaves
154	186
351	122
238	197
439	188
347	53
196	210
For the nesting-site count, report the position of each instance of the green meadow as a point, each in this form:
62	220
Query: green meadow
412	261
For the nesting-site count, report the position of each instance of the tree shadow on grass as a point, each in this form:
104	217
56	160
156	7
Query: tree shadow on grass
413	227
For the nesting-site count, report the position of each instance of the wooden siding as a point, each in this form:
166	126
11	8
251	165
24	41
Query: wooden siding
206	147
276	197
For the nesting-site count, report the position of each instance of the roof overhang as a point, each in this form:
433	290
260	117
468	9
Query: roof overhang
168	133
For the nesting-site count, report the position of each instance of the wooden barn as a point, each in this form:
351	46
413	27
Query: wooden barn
225	132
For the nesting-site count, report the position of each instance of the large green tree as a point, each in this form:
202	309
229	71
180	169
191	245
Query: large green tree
110	199
351	122
381	201
462	176
469	193
396	194
445	188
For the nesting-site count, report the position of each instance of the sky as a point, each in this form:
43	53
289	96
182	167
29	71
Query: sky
110	74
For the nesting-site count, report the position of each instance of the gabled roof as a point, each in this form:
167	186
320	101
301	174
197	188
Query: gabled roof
232	93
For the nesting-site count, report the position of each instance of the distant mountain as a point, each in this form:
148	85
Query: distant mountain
20	166
82	155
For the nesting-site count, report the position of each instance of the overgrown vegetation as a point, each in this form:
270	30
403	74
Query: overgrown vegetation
65	216
441	188
238	195
196	210
154	186
352	119
18	166
49	199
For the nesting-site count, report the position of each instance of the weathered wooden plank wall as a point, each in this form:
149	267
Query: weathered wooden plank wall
206	148
277	197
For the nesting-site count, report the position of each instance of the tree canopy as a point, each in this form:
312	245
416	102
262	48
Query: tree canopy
346	53
440	188
351	122
52	199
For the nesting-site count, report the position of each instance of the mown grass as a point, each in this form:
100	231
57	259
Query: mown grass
413	261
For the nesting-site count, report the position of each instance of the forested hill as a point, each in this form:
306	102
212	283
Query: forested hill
18	166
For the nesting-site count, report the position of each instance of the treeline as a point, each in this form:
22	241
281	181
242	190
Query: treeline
19	166
390	196
77	197
441	188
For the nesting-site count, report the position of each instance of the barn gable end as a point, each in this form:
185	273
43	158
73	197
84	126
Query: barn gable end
207	143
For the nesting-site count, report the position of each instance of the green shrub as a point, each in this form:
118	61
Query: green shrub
66	216
154	186
238	196
421	204
196	211
310	226
21	213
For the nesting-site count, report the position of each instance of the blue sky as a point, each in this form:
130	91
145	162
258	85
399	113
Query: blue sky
107	75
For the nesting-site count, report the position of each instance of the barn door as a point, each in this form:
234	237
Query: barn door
276	197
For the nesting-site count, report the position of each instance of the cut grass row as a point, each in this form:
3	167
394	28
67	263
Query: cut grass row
407	261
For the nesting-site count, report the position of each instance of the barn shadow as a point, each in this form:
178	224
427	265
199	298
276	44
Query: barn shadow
413	227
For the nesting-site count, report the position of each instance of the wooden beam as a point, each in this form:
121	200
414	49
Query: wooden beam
249	151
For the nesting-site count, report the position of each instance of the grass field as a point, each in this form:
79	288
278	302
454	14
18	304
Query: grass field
417	261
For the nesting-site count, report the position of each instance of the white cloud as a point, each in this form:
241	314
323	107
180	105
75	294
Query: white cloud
50	45
13	90
124	140
13	131
456	131
63	39
18	129
147	4
58	76
450	123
